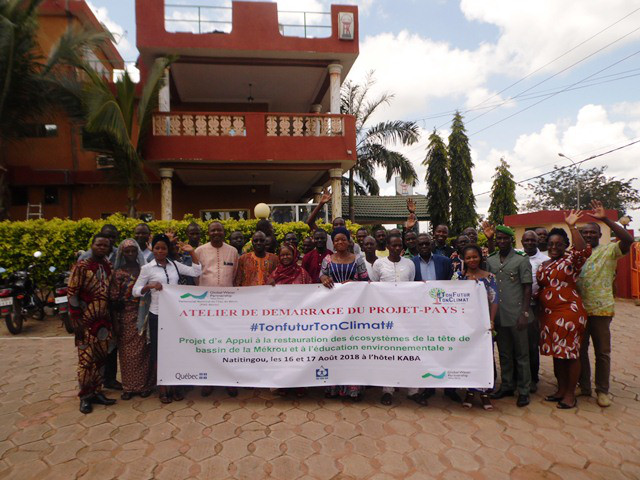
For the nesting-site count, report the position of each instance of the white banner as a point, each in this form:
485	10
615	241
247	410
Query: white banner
410	334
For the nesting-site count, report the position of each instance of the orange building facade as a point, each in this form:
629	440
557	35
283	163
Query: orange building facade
51	169
250	113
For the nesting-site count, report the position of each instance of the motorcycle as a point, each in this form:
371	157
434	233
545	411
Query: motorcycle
6	296
28	299
60	300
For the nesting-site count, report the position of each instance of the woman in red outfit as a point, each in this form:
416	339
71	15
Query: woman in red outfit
563	315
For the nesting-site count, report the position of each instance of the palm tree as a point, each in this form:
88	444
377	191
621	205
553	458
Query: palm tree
29	81
114	115
372	141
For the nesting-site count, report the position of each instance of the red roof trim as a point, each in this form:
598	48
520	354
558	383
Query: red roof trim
545	217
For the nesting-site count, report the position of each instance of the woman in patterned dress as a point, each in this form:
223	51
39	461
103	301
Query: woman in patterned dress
342	267
563	315
472	256
134	352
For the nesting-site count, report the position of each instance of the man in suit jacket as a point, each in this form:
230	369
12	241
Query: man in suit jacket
428	265
432	267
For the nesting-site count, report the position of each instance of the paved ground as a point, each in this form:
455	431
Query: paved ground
43	436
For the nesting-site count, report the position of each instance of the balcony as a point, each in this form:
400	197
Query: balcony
309	141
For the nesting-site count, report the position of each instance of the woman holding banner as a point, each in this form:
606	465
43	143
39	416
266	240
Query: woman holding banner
471	257
158	272
288	272
342	267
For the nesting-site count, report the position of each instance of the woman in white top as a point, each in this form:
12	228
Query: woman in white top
161	270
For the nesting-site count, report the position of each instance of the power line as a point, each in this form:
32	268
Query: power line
538	94
567	88
557	73
569	166
557	58
554	94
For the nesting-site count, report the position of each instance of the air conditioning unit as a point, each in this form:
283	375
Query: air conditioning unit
104	161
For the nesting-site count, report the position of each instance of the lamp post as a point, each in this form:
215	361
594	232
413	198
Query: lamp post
577	176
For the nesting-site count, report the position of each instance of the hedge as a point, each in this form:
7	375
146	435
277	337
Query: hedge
59	240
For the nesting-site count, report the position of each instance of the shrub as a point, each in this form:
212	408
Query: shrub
60	240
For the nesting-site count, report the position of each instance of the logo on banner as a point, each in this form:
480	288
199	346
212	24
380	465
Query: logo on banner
196	297
322	373
440	295
191	376
439	377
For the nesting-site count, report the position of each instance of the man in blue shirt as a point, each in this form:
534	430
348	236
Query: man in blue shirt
430	266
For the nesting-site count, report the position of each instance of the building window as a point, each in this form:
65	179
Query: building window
46	130
51	196
19	196
208	215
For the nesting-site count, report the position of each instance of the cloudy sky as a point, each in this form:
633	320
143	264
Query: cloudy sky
532	78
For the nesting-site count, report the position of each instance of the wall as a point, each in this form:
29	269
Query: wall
606	231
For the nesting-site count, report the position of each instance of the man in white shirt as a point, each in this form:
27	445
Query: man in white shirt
219	266
395	268
530	242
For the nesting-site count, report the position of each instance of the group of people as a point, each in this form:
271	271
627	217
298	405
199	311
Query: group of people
548	299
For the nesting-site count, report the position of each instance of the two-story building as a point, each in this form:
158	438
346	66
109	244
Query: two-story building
50	170
250	113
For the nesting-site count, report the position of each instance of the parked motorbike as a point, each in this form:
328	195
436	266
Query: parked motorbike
28	299
60	301
6	295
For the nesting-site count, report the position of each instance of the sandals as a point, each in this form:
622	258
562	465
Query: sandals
486	402
468	400
165	398
127	395
552	398
565	406
146	393
386	399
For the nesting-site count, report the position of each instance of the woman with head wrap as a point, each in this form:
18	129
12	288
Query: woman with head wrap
135	360
158	272
288	272
342	267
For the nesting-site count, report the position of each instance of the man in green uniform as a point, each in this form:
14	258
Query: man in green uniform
513	274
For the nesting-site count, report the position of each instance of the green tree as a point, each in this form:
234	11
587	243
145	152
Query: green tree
118	120
559	191
463	202
437	179
503	194
29	88
372	141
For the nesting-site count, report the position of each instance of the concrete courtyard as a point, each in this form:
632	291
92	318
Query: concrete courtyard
259	435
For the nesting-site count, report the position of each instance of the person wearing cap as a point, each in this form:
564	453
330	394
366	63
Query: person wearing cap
513	274
529	242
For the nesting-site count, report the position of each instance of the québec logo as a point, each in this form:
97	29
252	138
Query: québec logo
191	376
322	373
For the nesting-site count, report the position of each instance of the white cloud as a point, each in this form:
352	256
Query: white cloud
126	49
590	133
419	69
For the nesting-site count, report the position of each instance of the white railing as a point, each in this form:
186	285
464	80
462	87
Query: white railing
199	125
304	126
